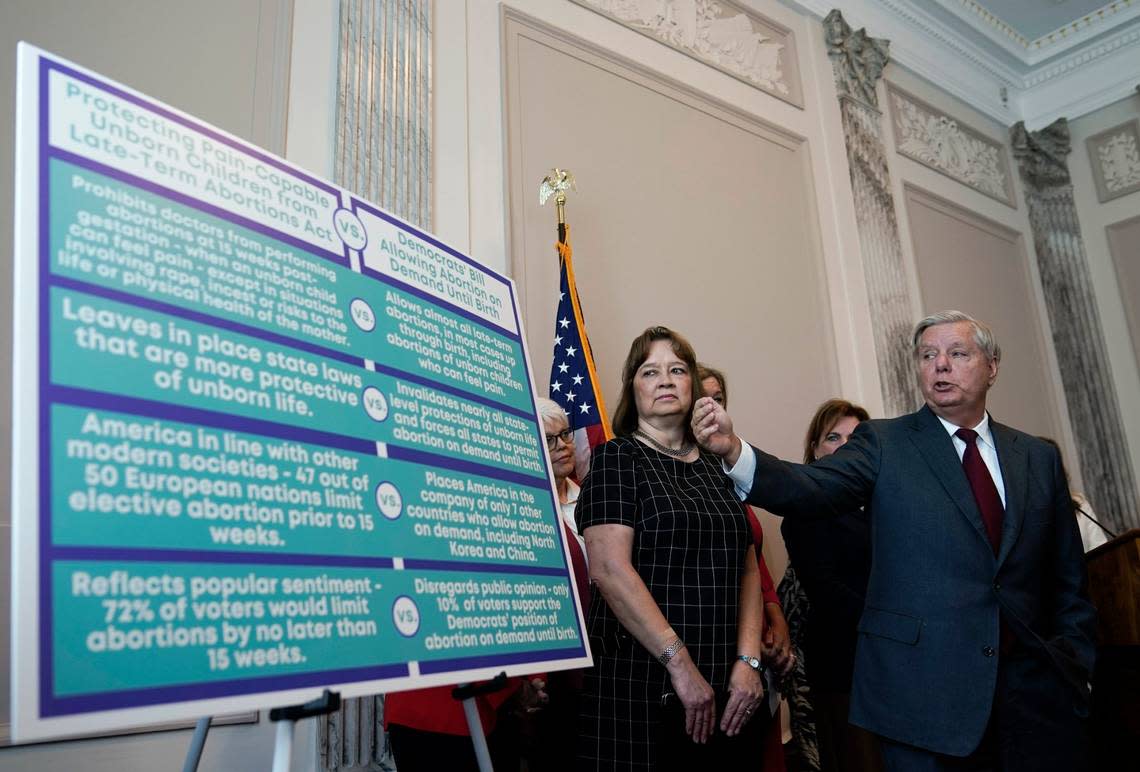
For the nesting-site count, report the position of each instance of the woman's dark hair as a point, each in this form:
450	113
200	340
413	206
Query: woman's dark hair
829	414
625	415
704	372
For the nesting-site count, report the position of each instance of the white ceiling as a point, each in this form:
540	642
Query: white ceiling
1032	31
1015	60
1034	19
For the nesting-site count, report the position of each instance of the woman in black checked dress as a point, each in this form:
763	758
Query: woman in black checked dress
676	625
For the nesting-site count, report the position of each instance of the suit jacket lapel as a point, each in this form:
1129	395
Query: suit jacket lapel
937	450
1014	462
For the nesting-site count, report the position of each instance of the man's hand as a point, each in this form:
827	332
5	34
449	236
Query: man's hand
777	643
713	430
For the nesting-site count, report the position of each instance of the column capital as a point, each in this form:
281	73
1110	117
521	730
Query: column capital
1041	155
857	58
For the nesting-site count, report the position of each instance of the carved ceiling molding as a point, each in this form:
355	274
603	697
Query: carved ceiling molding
935	139
720	33
1114	155
1091	70
1051	44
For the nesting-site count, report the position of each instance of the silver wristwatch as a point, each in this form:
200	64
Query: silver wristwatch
752	662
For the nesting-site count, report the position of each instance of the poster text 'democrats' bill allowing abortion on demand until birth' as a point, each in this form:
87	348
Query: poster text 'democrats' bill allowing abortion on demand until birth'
267	437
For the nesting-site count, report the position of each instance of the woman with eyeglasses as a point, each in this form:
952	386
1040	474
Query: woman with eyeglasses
675	625
560	443
554	734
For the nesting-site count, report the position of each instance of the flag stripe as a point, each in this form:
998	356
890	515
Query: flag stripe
586	350
573	365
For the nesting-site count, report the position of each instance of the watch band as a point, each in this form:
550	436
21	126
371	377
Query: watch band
753	662
671	650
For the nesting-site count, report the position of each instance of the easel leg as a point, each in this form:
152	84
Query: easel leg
283	749
478	739
197	742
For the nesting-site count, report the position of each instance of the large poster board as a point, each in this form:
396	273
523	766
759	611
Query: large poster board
267	438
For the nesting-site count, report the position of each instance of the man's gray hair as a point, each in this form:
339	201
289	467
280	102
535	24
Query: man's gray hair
548	408
983	335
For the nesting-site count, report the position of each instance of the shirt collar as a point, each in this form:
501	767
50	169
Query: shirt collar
983	429
572	491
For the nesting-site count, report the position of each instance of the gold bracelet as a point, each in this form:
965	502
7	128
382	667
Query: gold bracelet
671	650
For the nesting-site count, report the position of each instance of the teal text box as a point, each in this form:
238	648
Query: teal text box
121	480
121	349
112	234
118	627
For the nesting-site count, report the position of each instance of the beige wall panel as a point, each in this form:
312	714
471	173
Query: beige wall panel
1124	245
687	215
972	264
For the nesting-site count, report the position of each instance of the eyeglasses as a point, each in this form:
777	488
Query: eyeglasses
552	439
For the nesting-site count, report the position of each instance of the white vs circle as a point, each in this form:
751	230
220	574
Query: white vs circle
362	315
388	500
406	615
350	229
374	404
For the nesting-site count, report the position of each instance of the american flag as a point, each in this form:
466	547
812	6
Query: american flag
573	378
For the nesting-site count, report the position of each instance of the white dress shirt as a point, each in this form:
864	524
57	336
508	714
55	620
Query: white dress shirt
745	468
567	512
986	448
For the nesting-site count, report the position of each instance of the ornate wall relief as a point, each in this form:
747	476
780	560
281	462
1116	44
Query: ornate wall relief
932	138
719	33
1115	159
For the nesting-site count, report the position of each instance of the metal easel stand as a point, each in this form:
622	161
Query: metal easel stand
287	718
466	693
197	742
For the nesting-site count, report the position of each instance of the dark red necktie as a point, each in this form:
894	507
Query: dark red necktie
578	563
985	492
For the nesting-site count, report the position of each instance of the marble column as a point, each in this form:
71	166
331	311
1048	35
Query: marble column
858	61
383	110
382	153
1075	323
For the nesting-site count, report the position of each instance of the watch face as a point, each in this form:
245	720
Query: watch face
751	661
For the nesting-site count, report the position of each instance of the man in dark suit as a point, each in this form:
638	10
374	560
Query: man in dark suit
976	641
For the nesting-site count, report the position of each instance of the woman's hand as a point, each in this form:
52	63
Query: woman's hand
695	694
745	693
713	429
777	643
532	696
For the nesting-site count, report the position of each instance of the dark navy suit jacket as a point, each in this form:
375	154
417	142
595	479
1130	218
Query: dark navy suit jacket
927	656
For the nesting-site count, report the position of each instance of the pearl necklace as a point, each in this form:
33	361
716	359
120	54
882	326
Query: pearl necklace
680	452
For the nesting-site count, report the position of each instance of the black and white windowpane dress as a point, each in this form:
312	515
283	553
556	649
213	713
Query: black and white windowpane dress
689	547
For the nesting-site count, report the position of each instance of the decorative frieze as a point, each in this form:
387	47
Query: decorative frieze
858	61
720	33
1115	158
1075	323
932	138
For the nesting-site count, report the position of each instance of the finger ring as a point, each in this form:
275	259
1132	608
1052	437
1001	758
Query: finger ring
748	711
